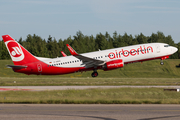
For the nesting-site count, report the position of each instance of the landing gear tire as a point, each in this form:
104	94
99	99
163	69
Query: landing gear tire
162	63
94	74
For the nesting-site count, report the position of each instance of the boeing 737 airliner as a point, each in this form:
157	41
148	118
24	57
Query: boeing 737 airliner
25	62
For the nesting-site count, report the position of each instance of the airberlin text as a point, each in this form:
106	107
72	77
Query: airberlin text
132	52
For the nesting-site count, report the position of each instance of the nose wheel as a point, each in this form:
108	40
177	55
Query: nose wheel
162	63
94	74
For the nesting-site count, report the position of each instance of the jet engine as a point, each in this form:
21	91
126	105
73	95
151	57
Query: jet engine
113	64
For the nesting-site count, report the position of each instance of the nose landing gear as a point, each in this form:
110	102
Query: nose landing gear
163	58
162	63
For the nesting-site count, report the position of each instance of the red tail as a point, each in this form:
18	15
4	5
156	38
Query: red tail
19	55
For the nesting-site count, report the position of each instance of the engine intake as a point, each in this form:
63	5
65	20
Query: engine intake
114	64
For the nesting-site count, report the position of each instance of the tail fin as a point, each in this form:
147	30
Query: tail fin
19	55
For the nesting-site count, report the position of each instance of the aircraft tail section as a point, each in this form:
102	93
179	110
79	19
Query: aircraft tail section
19	55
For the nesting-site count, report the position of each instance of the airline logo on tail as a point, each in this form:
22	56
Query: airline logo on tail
15	50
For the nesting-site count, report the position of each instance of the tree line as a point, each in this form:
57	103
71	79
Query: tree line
52	48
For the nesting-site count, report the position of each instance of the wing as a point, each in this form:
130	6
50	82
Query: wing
87	61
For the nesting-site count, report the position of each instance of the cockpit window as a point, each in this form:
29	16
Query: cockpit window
166	45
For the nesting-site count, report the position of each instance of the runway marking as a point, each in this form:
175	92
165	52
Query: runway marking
14	89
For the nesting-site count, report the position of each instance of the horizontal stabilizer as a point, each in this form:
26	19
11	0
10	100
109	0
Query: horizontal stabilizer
16	66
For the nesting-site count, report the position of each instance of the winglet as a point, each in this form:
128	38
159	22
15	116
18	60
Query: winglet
64	55
71	50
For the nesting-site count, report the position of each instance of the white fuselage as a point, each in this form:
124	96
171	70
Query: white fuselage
134	53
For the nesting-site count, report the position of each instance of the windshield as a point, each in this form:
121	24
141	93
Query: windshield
166	45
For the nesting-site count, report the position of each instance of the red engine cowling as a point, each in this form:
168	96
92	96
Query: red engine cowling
113	64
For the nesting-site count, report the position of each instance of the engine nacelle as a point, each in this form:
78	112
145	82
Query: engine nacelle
113	64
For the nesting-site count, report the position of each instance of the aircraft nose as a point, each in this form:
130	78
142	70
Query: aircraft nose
174	49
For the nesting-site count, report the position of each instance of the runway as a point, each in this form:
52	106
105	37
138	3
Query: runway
88	112
44	88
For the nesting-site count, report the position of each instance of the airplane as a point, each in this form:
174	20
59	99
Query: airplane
25	62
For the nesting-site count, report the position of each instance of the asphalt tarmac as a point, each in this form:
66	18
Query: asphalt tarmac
89	112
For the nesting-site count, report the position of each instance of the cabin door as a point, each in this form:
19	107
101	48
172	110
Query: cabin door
158	48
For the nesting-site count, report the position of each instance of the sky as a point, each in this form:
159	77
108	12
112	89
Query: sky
64	18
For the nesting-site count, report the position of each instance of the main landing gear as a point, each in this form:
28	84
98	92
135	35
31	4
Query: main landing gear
94	74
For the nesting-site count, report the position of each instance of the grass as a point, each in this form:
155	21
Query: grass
146	73
93	96
86	81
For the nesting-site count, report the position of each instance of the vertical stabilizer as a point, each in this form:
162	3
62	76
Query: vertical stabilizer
19	55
